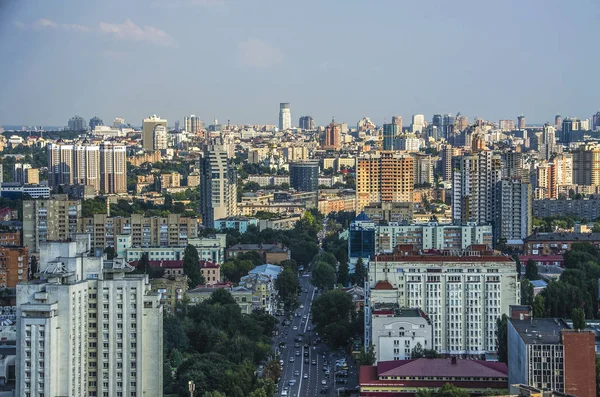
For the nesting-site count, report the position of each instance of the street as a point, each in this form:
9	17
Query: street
308	379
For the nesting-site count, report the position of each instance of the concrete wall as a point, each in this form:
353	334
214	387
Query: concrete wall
517	359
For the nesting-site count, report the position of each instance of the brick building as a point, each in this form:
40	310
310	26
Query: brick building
210	270
557	243
14	266
9	238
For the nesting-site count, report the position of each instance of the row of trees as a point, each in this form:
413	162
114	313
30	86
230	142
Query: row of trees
336	318
218	347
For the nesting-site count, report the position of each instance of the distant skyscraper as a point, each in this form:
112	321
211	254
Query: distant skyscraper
148	127
77	123
558	122
177	124
521	122
285	116
462	122
448	127
306	123
586	165
95	121
161	138
192	124
474	188
418	123
333	138
398	121
514	212
304	175
569	125
447	153
19	172
218	184
390	132
595	121
113	168
118	122
438	121
383	177
506	125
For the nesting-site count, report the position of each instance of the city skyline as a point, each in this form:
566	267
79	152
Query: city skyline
484	60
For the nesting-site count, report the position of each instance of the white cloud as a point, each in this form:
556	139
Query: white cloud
20	25
258	54
130	31
44	23
74	27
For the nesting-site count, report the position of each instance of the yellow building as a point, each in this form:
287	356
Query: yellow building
148	127
171	290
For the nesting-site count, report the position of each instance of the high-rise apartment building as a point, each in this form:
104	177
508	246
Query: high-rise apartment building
424	168
192	124
474	188
19	172
77	123
514	220
506	125
569	124
14	266
148	127
304	175
306	123
161	138
398	121
285	116
418	123
586	165
463	293
558	122
218	184
513	165
333	137
564	169
462	122
390	132
595	121
447	153
168	231
88	327
383	176
521	122
104	167
547	354
95	122
56	219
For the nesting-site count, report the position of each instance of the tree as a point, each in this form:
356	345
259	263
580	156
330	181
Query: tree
235	269
502	338
221	297
518	264
424	393
359	272
332	314
343	273
287	286
143	265
367	356
417	351
191	266
449	390
578	318
272	370
526	292
110	253
539	309
323	275
531	270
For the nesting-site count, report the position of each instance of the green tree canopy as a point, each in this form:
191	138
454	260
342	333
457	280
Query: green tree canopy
359	272
578	318
191	266
332	312
531	270
221	297
234	269
323	275
539	309
502	338
287	286
526	292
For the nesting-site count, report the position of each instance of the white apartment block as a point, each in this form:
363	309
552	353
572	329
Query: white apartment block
396	332
462	292
87	328
211	248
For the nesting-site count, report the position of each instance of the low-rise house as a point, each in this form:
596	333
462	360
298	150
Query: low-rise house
269	253
239	223
557	243
406	377
171	290
241	295
210	270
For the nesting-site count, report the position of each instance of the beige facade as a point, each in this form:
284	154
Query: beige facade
383	176
148	127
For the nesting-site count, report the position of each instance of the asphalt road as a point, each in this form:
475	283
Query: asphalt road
316	378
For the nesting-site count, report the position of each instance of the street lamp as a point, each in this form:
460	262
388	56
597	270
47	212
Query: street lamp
192	388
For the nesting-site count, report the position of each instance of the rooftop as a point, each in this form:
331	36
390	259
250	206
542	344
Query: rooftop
176	264
540	330
474	253
564	237
258	247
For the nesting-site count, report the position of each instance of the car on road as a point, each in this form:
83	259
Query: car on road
296	345
284	393
323	382
305	290
292	359
297	352
296	373
305	376
304	317
324	390
314	362
306	361
341	381
292	382
302	307
281	362
309	329
295	328
306	353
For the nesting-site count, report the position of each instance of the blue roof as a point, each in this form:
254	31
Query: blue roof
362	217
539	283
268	269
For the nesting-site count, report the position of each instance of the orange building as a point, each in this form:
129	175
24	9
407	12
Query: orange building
14	266
383	176
333	136
10	239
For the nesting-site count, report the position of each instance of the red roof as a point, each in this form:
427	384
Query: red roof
442	367
176	264
384	284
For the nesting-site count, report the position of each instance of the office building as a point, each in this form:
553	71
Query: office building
192	124
418	123
390	132
304	175
285	116
569	125
148	127
462	292
397	331
383	176
521	122
514	217
161	138
361	237
172	230
558	122
595	121
474	188
448	126
19	172
306	123
77	123
87	327
218	184
95	122
14	266
586	165
55	219
546	354
16	191
333	137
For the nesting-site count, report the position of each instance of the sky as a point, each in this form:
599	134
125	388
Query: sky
238	59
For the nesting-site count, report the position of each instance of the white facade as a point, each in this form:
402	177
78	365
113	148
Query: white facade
418	123
87	328
209	249
285	116
463	297
160	137
395	336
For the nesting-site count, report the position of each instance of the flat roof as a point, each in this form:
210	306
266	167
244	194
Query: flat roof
545	331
